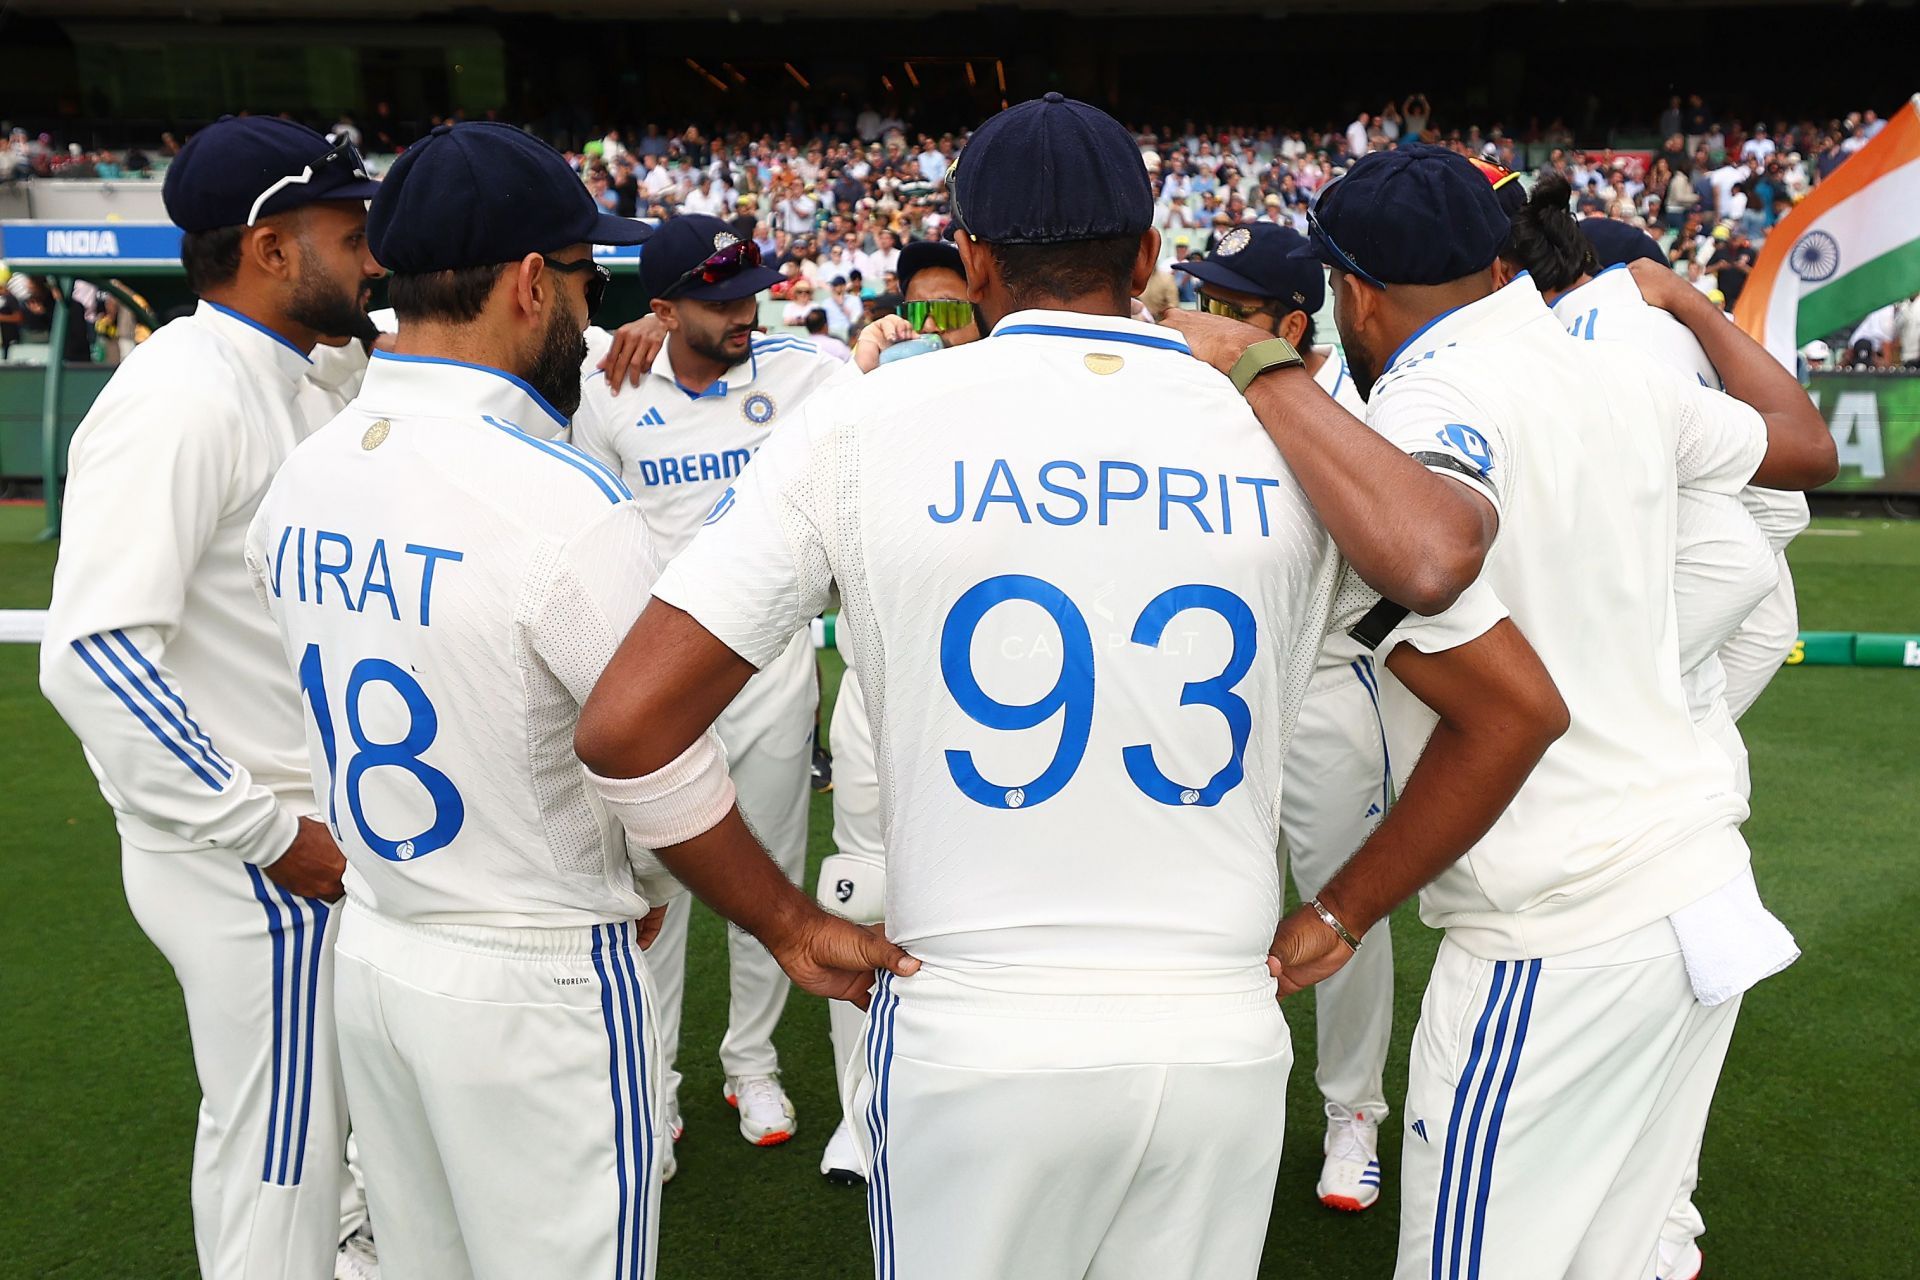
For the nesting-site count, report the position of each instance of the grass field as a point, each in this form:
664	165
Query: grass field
1809	1144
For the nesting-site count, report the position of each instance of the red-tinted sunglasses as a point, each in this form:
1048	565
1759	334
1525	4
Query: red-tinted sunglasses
723	265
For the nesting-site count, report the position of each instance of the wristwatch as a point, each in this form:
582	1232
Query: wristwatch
1274	353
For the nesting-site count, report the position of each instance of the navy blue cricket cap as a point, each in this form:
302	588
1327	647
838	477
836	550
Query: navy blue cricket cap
1615	242
681	244
1259	259
921	254
1051	171
481	193
1416	215
240	169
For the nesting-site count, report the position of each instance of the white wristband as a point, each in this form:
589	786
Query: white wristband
675	803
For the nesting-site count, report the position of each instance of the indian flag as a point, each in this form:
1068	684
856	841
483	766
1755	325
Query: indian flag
1851	246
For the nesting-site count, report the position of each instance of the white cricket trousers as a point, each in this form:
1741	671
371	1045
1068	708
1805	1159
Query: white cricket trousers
771	775
255	964
1337	785
1056	1137
1553	1106
505	1096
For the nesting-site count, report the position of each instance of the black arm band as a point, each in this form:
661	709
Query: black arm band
1447	462
1379	622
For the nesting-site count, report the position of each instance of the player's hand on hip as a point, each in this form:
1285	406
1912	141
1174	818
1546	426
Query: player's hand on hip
635	345
882	333
836	958
1217	340
650	924
1305	951
312	865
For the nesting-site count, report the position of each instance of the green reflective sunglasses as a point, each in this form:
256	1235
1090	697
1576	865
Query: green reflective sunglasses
947	314
1232	310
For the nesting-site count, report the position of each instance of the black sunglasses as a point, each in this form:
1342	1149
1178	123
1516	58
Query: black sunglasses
1341	259
596	283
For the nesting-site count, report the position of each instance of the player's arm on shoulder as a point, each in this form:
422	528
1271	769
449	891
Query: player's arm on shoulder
1412	536
1498	713
1799	451
149	483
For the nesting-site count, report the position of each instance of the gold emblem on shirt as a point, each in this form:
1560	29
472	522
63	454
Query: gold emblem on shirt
376	435
1103	362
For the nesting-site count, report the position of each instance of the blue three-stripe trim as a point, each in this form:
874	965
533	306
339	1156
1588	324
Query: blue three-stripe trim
136	682
298	929
879	1049
1370	681
604	477
624	1014
1473	1131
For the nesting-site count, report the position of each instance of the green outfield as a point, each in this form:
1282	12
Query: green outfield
1810	1140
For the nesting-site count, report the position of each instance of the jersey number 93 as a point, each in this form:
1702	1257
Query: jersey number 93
1072	694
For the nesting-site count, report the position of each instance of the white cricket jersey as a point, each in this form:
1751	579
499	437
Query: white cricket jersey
1341	650
1631	814
1086	597
449	580
156	652
680	451
1727	560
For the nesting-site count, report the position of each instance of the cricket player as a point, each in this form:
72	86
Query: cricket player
1083	637
679	440
1338	779
1725	565
853	878
447	582
1599	934
161	662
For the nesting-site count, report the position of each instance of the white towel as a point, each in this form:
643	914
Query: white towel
1730	941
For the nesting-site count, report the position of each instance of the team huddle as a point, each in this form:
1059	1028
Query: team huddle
457	660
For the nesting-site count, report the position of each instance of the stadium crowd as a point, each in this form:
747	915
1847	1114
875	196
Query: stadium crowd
831	202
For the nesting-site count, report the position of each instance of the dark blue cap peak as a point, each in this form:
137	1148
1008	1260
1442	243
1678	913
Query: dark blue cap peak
683	243
240	169
480	193
1615	242
1050	171
1258	259
921	254
1416	215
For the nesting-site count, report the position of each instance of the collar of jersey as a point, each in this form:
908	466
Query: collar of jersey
252	336
1089	328
1501	310
738	376
1609	291
437	387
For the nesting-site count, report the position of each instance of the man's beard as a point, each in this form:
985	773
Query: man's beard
555	372
322	306
717	351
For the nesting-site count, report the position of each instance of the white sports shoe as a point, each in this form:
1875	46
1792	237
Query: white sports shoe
844	1164
1678	1263
766	1113
669	1165
357	1259
1350	1178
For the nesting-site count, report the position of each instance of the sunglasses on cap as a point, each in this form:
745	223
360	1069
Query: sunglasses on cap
719	267
947	314
597	281
341	155
1341	260
1497	174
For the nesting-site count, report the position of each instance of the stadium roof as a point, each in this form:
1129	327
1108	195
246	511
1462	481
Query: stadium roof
773	11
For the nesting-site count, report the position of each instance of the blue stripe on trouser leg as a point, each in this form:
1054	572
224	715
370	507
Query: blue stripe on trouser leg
614	1084
1453	1124
1494	1061
320	914
274	927
1499	1113
886	1131
640	1109
289	1094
